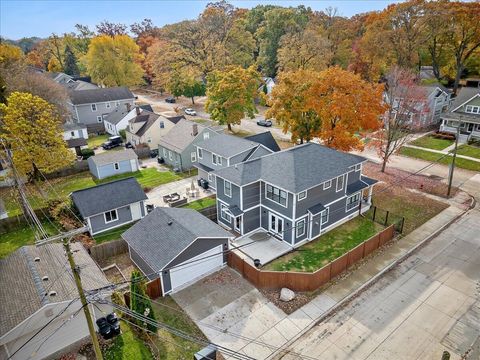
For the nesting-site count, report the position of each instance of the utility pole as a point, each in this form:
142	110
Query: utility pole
452	165
83	299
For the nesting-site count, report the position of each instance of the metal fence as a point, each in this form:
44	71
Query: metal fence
386	218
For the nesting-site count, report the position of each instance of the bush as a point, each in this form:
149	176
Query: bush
86	153
123	134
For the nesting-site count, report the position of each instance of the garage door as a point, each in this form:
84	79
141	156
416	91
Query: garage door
192	270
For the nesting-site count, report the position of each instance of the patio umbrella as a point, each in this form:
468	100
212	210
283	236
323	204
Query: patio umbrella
192	187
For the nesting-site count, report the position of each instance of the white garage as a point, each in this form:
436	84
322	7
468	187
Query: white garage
179	246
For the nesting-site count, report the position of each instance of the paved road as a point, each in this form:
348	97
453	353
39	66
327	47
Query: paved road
429	304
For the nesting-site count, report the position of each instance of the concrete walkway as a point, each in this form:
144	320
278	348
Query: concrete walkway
443	152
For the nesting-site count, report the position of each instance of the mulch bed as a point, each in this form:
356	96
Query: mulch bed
287	307
428	184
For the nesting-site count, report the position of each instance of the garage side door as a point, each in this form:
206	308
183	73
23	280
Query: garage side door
190	271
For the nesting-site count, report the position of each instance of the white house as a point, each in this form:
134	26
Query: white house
118	119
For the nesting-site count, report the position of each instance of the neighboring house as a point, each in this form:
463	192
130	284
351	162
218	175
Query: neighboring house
110	205
111	163
146	127
433	100
465	110
225	150
266	139
76	135
71	82
177	147
295	194
118	119
267	85
179	246
36	286
90	107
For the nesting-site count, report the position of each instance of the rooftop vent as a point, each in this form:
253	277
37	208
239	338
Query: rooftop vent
170	222
52	293
45	278
37	259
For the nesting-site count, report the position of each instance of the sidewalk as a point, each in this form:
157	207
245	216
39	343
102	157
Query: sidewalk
444	152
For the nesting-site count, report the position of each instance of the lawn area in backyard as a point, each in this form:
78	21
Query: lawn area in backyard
430	156
170	346
201	203
127	346
113	234
430	142
23	235
326	248
469	150
96	141
147	178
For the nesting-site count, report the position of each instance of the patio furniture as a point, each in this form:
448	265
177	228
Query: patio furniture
167	198
178	203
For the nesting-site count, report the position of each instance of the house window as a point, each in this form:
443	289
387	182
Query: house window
108	105
327	184
170	156
216	160
111	216
200	153
219	160
301	227
162	124
206	135
352	201
358	167
276	195
340	181
302	195
224	214
117	104
165	153
193	156
116	166
72	133
472	109
99	119
149	140
94	107
324	218
227	188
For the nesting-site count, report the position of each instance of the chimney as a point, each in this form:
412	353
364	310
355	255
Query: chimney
195	129
137	109
129	106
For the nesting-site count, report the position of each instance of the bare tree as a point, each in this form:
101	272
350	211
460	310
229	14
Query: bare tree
403	98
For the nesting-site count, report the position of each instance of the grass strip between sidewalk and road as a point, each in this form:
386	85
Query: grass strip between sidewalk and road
431	156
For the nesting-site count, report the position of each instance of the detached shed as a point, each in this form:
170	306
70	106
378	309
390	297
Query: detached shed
179	246
112	163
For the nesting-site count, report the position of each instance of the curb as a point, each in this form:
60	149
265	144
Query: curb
278	354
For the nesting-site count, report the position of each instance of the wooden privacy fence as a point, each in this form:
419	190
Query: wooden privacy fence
303	281
153	291
108	249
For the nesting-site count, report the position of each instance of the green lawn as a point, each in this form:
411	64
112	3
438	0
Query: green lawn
430	156
11	241
430	142
170	346
96	141
201	203
469	150
327	247
127	346
113	234
147	178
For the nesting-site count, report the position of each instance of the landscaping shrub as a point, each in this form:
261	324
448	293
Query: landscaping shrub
86	153
123	134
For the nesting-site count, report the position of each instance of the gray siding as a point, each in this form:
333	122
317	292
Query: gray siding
207	161
315	225
92	167
353	176
98	221
251	195
286	211
141	264
220	220
259	152
287	224
251	220
307	229
83	113
240	157
109	169
234	200
316	196
338	212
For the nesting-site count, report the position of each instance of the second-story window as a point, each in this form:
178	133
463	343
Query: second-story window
94	107
200	153
324	217
206	135
72	133
327	184
340	180
193	156
277	195
216	159
162	125
227	188
302	195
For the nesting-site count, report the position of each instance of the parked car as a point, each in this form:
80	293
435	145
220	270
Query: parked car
264	122
170	100
113	142
190	111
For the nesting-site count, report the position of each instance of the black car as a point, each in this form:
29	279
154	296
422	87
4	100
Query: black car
113	142
170	100
263	122
104	328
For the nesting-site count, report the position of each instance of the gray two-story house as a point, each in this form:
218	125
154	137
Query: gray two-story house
92	106
295	194
223	151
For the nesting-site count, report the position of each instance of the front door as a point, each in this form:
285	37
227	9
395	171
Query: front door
470	127
238	224
276	225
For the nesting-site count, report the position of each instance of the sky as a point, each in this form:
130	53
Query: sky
42	18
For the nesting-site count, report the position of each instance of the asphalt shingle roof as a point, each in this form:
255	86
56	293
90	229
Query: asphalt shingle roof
266	139
461	116
100	95
158	243
295	169
148	118
68	126
109	157
76	142
227	145
180	136
108	196
463	95
22	290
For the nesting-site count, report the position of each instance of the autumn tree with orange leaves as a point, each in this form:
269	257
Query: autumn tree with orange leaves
345	105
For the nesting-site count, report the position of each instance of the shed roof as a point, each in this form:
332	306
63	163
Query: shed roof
110	157
100	95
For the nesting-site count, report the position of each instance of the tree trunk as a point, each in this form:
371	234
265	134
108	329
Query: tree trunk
229	127
384	164
457	77
193	102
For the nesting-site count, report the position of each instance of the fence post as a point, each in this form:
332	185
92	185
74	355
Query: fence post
386	218
374	212
401	226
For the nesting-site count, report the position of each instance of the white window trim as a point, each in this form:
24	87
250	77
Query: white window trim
354	206
327	209
162	124
300	197
219	160
99	118
206	135
223	211
358	167
116	166
92	106
110	211
325	186
304	227
286	192
214	159
225	189
343	183
199	153
164	153
193	156
170	156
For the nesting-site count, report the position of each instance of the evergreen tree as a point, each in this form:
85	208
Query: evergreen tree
139	301
71	67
